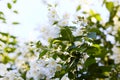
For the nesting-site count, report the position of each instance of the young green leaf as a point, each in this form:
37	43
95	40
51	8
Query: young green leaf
9	5
1	13
1	18
42	53
110	6
15	23
98	17
15	11
78	8
14	1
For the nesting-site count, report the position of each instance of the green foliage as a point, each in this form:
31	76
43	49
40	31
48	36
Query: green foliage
89	61
7	45
66	34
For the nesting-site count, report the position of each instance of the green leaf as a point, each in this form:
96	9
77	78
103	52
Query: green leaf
92	50
105	68
42	53
110	6
66	34
70	75
15	11
98	17
98	51
2	18
89	61
55	22
78	38
5	34
14	1
9	5
55	56
104	1
92	35
91	12
9	49
63	57
78	8
7	59
60	74
15	23
1	13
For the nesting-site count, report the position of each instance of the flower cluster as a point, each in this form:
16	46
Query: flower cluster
48	32
9	75
116	55
56	22
27	62
43	69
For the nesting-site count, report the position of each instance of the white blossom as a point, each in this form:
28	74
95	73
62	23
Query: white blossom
77	43
116	54
52	15
64	21
78	31
3	69
116	23
48	32
65	77
21	65
12	75
43	68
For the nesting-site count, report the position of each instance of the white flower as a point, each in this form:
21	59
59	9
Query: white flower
77	43
51	2
36	73
52	15
43	68
49	72
58	67
21	65
65	77
66	16
48	32
117	23
116	54
13	75
65	53
3	69
93	19
78	31
63	22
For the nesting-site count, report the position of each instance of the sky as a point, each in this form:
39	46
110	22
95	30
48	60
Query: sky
33	13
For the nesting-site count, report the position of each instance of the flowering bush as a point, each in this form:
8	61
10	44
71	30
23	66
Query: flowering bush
71	47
